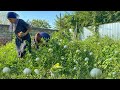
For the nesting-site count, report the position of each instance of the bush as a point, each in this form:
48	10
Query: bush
64	58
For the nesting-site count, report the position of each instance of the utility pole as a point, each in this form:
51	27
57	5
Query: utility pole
76	30
60	21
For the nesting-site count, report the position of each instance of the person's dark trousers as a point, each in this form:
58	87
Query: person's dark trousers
21	46
28	44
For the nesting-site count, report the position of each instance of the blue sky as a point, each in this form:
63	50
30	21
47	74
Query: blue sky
49	16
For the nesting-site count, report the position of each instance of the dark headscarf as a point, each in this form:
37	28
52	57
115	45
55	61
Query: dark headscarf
12	15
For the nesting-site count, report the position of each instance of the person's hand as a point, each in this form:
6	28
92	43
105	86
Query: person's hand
21	34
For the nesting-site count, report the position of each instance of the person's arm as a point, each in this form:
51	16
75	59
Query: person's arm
24	34
28	30
27	26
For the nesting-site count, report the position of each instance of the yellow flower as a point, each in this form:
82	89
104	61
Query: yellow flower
56	66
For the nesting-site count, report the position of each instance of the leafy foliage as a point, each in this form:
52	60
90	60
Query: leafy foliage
39	23
79	19
64	58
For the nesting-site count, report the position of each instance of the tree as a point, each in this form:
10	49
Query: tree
89	19
39	23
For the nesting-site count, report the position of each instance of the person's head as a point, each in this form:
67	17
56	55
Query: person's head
12	16
38	37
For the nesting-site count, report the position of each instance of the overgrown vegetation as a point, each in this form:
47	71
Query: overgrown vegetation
79	19
64	58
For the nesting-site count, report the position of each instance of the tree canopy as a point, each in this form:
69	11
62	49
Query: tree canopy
80	19
39	23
